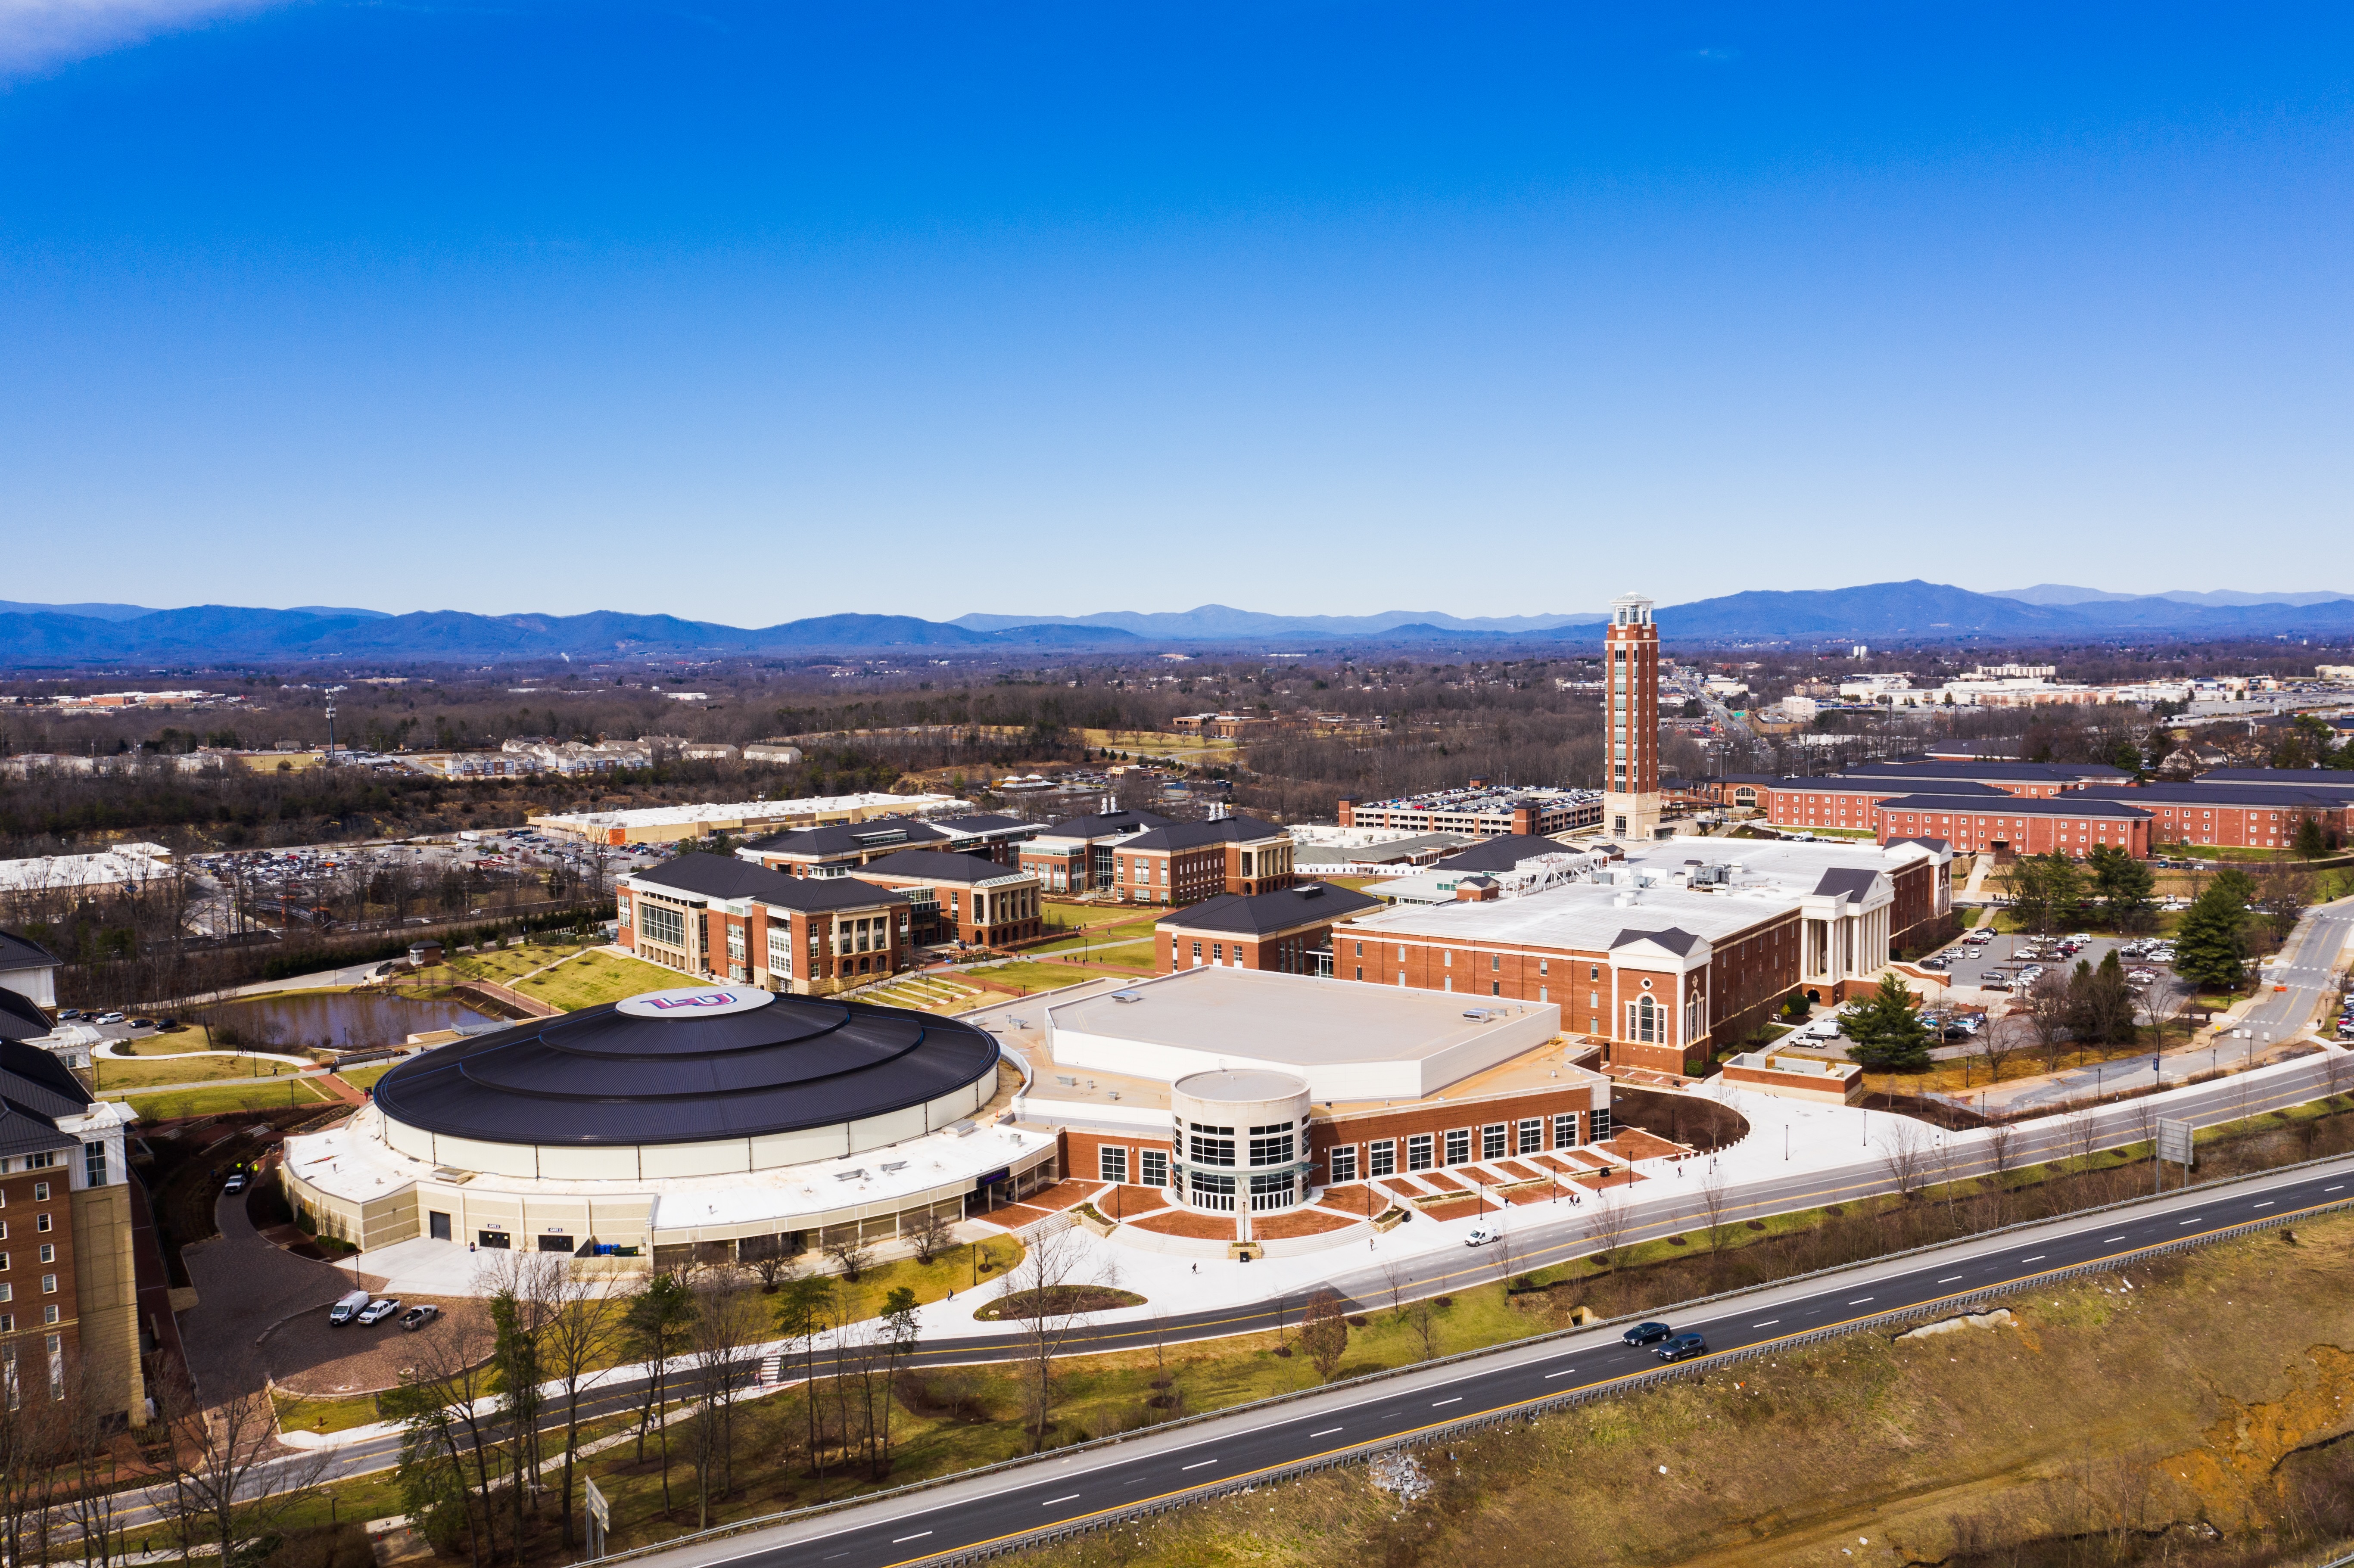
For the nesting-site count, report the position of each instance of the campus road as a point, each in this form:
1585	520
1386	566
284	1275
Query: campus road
982	1510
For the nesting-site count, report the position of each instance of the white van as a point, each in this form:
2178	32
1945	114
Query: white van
348	1306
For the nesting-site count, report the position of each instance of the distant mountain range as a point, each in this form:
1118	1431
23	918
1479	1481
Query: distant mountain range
51	636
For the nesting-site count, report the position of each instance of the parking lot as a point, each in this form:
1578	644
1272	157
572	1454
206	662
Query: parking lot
1999	969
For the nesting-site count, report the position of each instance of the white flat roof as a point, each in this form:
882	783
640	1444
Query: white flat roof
1346	1039
1769	877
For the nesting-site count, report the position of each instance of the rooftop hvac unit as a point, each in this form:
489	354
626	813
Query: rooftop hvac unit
1127	996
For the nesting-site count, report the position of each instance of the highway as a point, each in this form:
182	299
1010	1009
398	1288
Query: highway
1072	1490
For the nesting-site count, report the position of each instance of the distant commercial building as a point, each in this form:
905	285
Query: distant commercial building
668	824
132	865
1289	932
1479	811
723	919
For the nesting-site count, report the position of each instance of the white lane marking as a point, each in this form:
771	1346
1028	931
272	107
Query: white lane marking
1050	1502
2339	1188
1949	1279
1456	1399
1860	1300
2266	1205
2037	1258
902	1540
1766	1324
1564	1372
1326	1433
1197	1467
2191	1221
2107	1240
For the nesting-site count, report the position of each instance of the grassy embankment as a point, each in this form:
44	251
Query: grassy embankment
2119	1419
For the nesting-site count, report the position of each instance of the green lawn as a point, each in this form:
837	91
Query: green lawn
296	1415
115	1077
261	1094
597	977
1134	928
1021	977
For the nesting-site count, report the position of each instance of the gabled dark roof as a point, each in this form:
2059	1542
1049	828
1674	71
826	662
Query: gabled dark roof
1194	835
24	1130
2274	777
2324	796
935	866
19	1018
17	953
1501	853
2072	803
849	838
2017	772
987	823
35	1081
705	875
1261	913
1674	938
1848	882
814	894
1849	783
1933	843
1105	824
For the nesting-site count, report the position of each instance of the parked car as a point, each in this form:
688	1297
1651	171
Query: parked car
348	1306
1682	1346
1648	1333
417	1317
108	1017
1939	964
70	1013
1479	1235
142	1024
375	1312
234	1183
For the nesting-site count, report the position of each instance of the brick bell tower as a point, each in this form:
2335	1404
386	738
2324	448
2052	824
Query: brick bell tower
1630	800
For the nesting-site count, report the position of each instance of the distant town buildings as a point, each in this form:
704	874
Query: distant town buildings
1479	810
669	824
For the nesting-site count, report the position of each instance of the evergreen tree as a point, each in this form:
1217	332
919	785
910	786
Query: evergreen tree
1887	1034
2124	886
2207	943
2312	843
2100	1005
2045	891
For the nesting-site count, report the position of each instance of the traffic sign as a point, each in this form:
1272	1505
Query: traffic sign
2174	1140
601	1520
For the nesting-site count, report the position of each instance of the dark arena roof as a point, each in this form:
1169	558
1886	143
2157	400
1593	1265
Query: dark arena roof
695	1065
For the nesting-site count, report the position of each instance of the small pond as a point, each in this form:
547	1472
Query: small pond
341	1020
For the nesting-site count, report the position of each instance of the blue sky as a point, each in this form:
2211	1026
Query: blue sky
750	313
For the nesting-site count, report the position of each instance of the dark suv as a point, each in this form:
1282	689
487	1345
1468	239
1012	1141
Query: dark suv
1681	1346
1648	1333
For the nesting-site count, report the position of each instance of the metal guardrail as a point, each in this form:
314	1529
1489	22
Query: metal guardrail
1357	1455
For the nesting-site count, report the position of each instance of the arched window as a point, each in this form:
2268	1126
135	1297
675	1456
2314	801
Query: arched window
1647	1021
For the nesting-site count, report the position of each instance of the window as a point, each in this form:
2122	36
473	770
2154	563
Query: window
1217	952
660	924
1491	1141
1532	1137
735	944
1565	1130
1155	1162
41	1195
1111	1163
40	1162
1544	966
52	1314
49	1285
1418	1151
1597	1127
780	953
1344	1163
41	1192
1272	1145
1272	1191
1459	1146
1197	950
48	1251
1213	1146
93	1164
1381	1160
1213	1191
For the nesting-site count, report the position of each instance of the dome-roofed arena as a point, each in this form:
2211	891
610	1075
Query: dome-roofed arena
703	1079
706	1117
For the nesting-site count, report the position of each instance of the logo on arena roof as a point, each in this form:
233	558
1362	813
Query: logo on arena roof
694	1001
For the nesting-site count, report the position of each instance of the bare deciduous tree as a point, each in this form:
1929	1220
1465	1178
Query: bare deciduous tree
1716	1208
1607	1220
229	1486
726	1325
1903	1153
1042	1284
1422	1319
582	1330
849	1250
